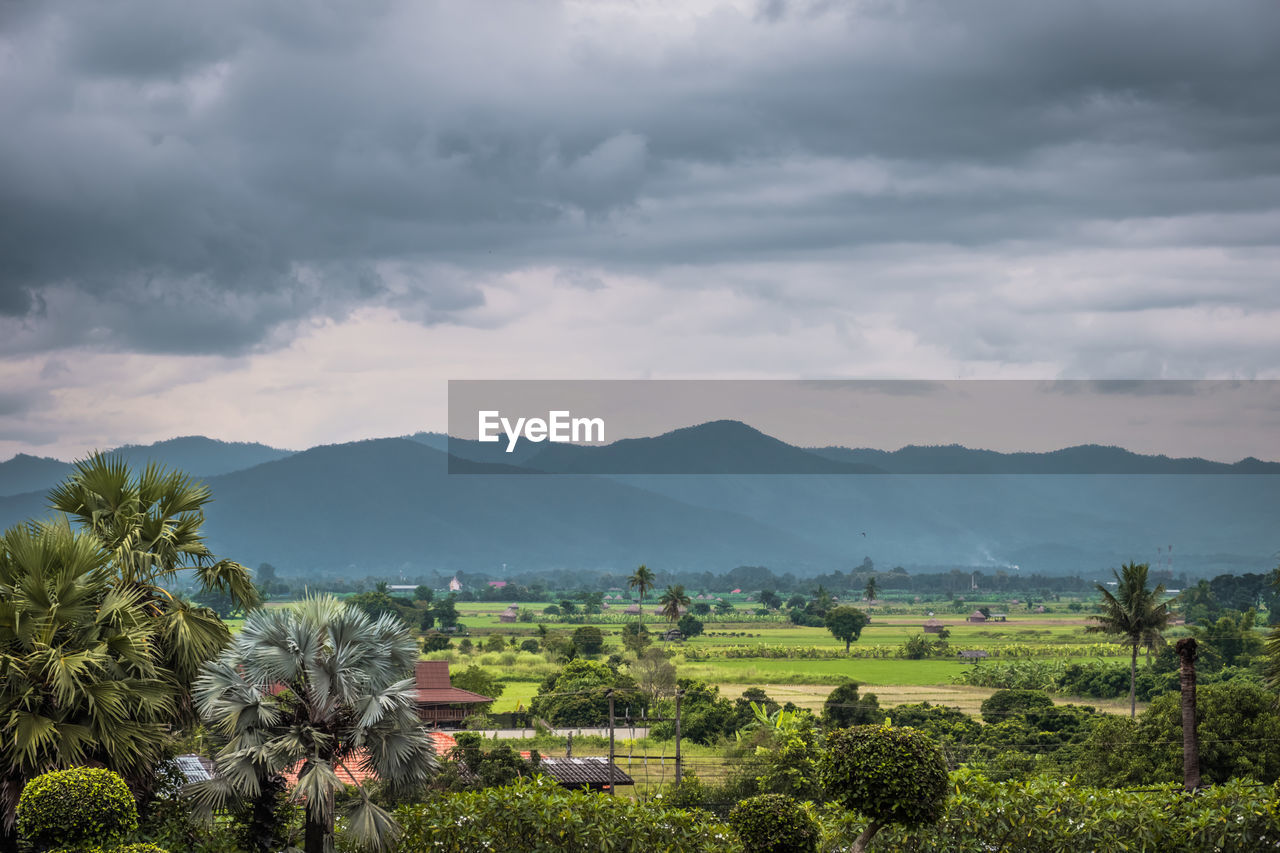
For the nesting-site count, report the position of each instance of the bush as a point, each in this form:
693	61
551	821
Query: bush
81	807
588	640
529	646
891	775
1005	703
534	816
774	823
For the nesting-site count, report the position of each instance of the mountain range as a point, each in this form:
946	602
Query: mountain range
711	497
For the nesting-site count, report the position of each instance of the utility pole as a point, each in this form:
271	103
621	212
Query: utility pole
612	786
679	764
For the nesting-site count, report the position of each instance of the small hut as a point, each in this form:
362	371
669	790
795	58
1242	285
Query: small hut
977	616
933	626
511	614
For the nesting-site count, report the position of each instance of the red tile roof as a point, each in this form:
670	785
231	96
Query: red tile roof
351	771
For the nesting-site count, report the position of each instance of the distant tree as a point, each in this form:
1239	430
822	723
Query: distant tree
724	606
479	680
891	775
424	593
846	623
588	639
689	625
796	601
1134	611
674	599
701	608
434	641
844	707
568	608
871	588
770	599
378	602
446	612
654	673
635	638
643	581
577	695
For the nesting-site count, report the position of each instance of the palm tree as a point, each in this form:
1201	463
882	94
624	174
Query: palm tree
317	687
642	580
149	525
871	588
1186	649
1135	613
673	600
81	683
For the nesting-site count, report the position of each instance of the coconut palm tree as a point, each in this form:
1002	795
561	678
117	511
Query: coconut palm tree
643	580
673	600
1134	612
149	525
79	679
317	687
871	588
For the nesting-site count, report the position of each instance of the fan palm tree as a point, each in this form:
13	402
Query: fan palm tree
79	679
673	600
1134	612
643	580
319	687
149	525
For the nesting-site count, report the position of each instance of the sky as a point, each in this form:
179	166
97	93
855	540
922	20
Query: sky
295	222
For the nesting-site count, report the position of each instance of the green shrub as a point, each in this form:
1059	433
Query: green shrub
142	847
891	775
80	807
774	823
689	794
999	706
536	816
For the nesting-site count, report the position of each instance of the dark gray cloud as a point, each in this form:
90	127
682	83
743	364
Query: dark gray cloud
204	179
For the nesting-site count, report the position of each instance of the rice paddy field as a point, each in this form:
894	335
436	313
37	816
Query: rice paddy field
803	664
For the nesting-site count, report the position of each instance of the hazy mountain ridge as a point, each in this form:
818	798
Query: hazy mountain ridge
197	455
387	505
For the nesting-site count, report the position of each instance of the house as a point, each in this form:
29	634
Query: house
497	584
999	617
933	626
511	614
674	635
977	616
438	702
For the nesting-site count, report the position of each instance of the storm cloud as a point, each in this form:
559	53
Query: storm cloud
925	189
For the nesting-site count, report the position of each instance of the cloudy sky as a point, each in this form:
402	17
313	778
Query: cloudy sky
292	222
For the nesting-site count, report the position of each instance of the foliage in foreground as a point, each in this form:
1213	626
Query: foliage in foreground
77	808
1047	815
774	823
538	815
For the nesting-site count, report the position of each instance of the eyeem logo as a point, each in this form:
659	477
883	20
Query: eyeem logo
559	427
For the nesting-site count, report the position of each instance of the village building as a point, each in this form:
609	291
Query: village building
437	701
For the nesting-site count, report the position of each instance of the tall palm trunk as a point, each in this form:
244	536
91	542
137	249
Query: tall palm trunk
1133	682
1186	649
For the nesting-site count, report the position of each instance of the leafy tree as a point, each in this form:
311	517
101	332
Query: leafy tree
477	679
1230	640
318	686
674	599
446	611
891	775
871	588
846	623
770	599
378	602
588	640
844	707
149	524
577	695
434	641
643	580
689	625
424	593
724	606
796	601
80	678
568	608
501	765
1002	704
635	638
1135	613
701	608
